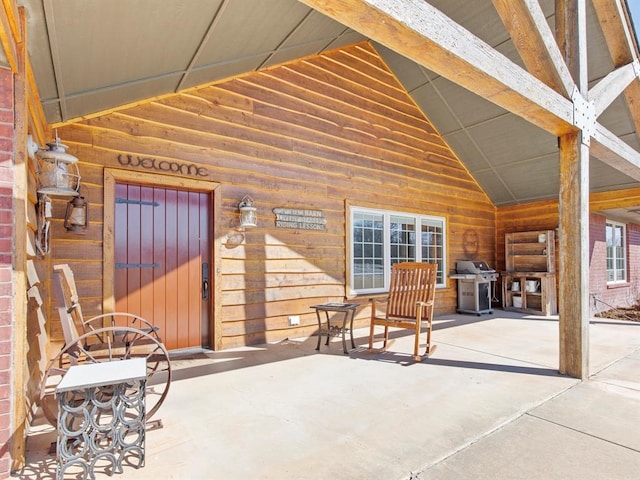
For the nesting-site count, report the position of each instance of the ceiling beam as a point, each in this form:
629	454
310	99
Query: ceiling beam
611	86
616	27
617	31
425	35
536	43
609	149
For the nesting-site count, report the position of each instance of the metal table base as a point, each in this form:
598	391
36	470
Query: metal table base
101	418
349	310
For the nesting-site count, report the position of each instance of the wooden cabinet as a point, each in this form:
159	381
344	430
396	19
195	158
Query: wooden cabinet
535	292
529	284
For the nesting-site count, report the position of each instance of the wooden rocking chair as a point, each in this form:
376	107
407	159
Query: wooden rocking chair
409	304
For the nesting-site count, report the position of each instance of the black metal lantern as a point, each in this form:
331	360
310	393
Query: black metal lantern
76	218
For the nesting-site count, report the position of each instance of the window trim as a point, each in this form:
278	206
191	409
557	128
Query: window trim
614	282
418	217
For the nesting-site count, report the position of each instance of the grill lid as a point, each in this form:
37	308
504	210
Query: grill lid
469	266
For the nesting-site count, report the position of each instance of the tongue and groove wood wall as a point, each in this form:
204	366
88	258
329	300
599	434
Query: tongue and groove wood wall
321	133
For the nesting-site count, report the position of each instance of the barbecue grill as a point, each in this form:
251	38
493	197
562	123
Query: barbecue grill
474	286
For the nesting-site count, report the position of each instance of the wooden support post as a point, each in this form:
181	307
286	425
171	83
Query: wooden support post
20	201
573	299
574	259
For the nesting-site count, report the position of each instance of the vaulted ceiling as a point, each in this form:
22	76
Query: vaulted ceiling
90	56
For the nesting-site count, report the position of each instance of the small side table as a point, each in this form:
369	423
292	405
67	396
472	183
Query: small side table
101	416
349	310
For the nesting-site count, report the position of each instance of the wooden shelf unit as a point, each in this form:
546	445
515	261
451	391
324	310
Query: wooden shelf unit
530	256
542	301
524	252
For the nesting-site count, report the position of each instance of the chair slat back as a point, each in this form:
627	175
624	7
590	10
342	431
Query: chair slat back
411	282
69	308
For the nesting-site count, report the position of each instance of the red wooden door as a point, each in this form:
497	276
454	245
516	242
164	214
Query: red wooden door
162	261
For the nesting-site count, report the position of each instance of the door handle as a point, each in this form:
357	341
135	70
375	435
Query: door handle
205	281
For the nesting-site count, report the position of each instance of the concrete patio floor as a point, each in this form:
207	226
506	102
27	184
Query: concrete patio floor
489	404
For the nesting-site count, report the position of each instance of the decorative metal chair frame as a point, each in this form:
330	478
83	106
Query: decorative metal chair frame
104	338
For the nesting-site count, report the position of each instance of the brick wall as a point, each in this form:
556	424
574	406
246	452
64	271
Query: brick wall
612	295
6	269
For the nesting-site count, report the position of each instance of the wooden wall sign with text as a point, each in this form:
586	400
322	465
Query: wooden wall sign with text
300	218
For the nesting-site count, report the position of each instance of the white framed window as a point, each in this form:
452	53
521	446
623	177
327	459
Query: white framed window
616	237
380	238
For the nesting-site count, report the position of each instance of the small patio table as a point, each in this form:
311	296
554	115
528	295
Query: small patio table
349	310
101	416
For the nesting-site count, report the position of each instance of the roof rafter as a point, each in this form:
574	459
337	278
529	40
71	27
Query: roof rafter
608	148
616	27
611	86
535	42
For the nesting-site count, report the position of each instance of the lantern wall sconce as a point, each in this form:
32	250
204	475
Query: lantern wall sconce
57	175
76	217
57	170
248	216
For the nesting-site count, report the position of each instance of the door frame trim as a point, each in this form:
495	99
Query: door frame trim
113	176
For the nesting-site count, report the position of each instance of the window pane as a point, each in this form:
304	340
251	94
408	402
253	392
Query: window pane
367	227
381	239
402	239
616	252
432	244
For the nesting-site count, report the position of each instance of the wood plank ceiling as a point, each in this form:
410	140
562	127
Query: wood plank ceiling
94	56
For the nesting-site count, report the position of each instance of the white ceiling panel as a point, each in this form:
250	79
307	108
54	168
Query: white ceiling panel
495	187
221	71
93	39
314	27
508	139
532	180
76	106
467	151
244	28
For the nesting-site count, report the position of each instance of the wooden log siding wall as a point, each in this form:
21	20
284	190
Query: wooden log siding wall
319	133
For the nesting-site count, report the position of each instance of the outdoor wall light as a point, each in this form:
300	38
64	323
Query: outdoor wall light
248	216
57	170
76	218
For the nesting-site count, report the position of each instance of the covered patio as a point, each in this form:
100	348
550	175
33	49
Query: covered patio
489	403
461	124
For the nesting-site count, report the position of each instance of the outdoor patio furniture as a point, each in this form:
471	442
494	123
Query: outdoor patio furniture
101	418
104	338
349	310
409	303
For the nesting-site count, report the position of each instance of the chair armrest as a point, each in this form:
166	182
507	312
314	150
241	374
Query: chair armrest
425	304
